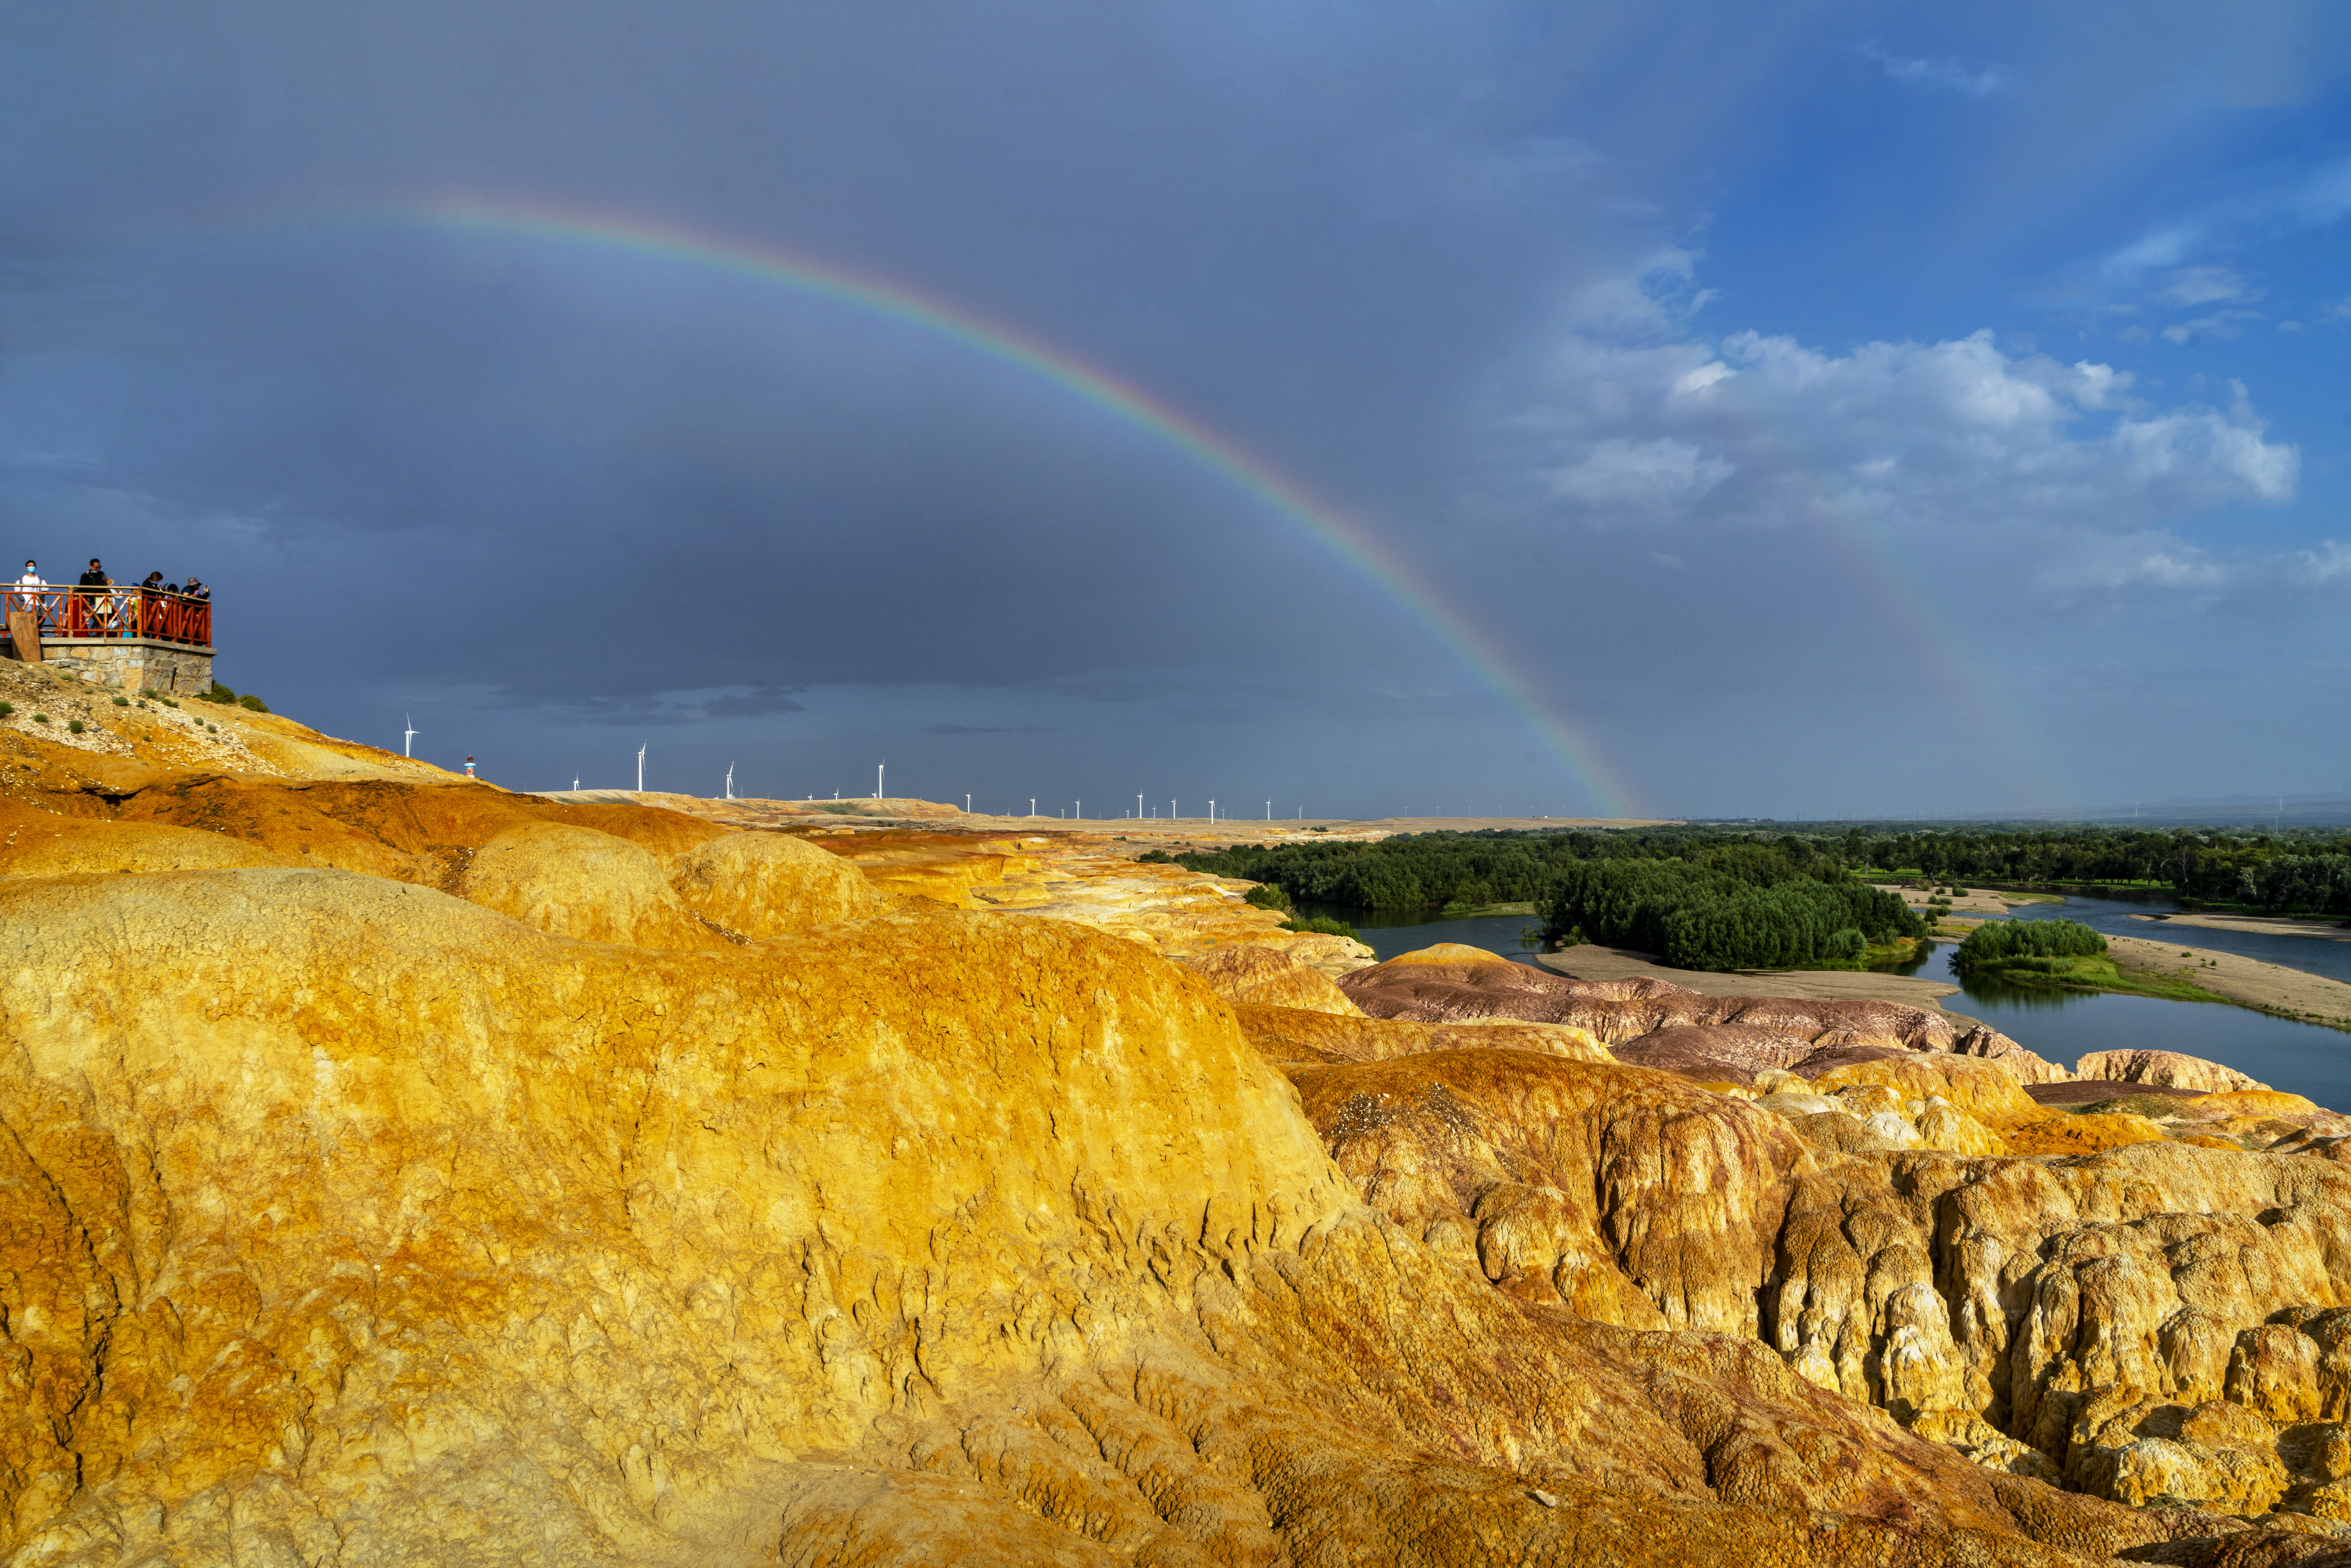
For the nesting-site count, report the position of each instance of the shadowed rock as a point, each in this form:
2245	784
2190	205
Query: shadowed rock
1441	984
2165	1069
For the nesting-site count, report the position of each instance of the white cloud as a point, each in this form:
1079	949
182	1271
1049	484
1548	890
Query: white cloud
2317	200
2136	563
1642	476
2335	310
2206	285
2219	324
1950	75
1760	430
2329	561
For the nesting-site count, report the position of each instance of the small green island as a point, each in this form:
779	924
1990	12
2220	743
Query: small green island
2063	955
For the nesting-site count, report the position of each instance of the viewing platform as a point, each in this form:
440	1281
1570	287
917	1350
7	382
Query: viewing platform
138	639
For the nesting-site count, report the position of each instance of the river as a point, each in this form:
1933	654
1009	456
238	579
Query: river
2061	1026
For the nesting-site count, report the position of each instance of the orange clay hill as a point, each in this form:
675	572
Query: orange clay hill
402	1171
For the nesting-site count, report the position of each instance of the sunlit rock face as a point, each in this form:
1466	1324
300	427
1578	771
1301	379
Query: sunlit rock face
2164	1069
1269	976
373	1225
1653	1022
408	1175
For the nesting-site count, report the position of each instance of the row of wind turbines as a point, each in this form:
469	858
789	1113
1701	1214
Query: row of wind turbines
1143	811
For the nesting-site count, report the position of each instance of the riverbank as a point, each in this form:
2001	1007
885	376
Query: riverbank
1593	962
2161	971
1485	911
2248	982
2100	972
2257	924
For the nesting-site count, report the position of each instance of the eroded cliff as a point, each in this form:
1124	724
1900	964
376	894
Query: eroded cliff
395	1175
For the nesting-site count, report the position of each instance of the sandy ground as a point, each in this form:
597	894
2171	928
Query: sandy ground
2261	925
1597	963
1969	901
2250	982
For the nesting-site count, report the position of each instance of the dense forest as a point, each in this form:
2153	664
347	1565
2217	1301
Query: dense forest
1737	907
1418	870
2005	943
2305	870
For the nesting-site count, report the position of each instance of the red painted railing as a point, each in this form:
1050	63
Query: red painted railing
118	613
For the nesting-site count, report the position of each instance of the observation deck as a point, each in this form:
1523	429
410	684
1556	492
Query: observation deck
139	639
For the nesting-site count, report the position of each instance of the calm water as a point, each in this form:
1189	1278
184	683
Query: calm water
1389	933
2302	1058
2063	1026
2318	956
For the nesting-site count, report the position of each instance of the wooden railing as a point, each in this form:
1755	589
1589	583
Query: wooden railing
118	613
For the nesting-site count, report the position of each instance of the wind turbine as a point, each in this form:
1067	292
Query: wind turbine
408	737
730	781
877	778
641	768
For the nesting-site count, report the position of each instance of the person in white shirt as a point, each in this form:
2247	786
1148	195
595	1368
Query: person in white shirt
29	588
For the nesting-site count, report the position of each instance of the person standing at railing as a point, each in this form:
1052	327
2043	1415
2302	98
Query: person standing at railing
30	592
151	611
97	608
197	590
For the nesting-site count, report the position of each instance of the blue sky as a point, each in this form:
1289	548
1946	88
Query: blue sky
1827	409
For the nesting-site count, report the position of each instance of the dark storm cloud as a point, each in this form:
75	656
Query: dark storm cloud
1439	260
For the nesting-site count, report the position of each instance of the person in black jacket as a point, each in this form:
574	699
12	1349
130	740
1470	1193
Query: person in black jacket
98	607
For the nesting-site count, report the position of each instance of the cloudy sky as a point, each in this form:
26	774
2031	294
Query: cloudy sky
1817	409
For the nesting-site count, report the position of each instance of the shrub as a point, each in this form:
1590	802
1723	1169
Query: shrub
1321	926
1155	857
40	718
1269	895
219	694
6	708
167	701
122	701
74	725
1848	945
249	701
2034	945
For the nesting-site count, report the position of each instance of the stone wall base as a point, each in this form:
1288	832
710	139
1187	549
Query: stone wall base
133	664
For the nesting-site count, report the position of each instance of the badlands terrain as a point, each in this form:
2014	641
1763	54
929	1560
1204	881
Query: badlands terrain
400	1170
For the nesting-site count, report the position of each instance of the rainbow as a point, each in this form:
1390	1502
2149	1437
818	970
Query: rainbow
1122	399
1938	645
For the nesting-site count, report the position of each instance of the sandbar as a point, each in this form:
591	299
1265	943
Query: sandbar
2259	924
1593	962
2249	982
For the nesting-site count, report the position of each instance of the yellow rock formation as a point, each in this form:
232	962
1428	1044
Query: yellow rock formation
439	1175
2082	1134
1308	1034
1267	977
758	886
577	882
2169	1069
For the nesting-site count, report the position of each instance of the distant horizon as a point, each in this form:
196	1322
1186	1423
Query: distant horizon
1850	409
